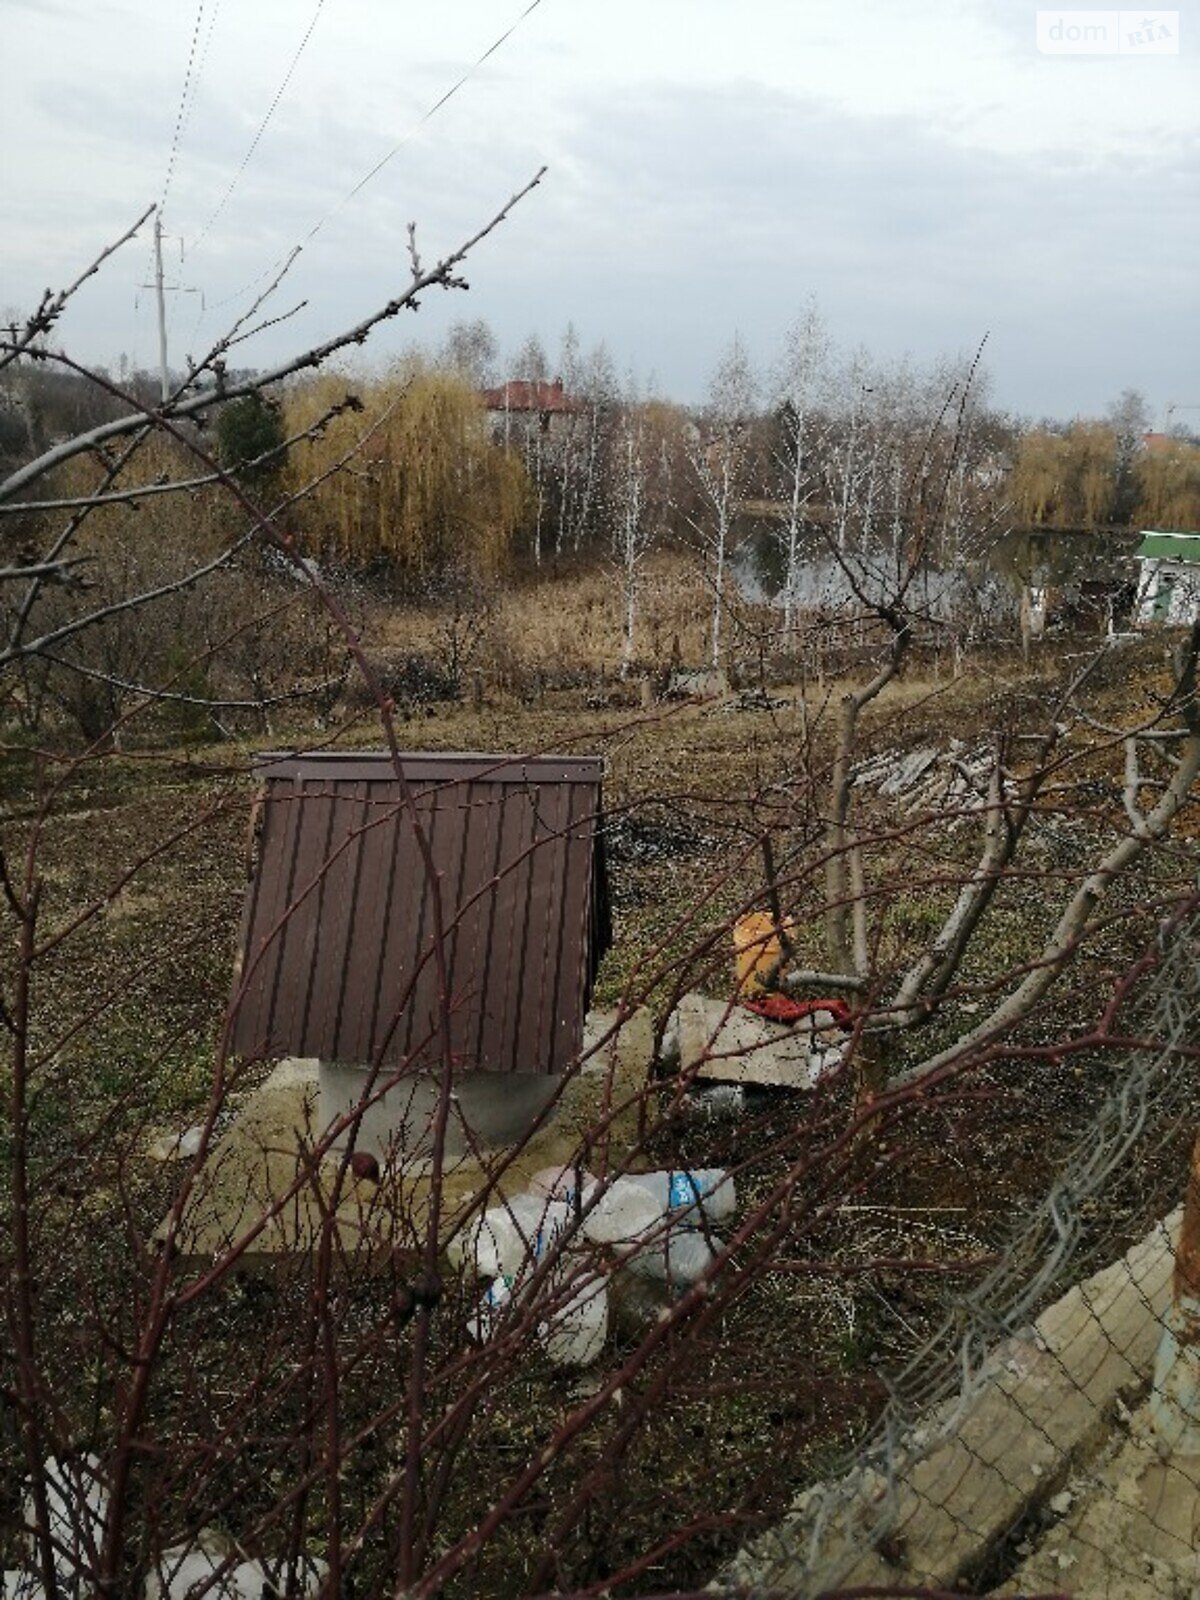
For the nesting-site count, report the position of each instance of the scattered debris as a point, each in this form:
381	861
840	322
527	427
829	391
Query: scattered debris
682	1194
76	1506
644	842
656	1222
177	1147
188	1569
751	700
569	1183
928	779
818	1016
481	1324
679	1256
758	947
77	1503
710	1101
509	1238
696	683
574	1334
625	1211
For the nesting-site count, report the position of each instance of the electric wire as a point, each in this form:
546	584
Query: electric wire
212	23
262	127
374	172
417	126
183	109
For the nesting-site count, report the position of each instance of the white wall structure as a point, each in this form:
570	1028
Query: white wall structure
1168	580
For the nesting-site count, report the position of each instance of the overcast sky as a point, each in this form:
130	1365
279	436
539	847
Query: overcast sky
917	166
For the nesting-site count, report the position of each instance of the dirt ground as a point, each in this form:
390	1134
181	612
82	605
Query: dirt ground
778	1387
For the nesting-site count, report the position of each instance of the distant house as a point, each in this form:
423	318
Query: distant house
524	404
1168	579
1154	443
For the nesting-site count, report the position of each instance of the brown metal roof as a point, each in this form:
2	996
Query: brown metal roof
525	394
336	956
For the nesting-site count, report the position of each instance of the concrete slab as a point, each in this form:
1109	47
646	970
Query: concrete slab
731	1045
1128	1528
261	1183
489	1109
697	683
1047	1404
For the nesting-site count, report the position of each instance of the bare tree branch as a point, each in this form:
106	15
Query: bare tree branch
442	275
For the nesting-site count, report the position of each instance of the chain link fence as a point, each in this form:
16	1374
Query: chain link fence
1030	1446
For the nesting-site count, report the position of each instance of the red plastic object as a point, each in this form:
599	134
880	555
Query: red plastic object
782	1008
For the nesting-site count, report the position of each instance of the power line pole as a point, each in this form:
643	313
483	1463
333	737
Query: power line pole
162	308
161	290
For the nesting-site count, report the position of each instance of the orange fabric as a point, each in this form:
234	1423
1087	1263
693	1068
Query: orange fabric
757	949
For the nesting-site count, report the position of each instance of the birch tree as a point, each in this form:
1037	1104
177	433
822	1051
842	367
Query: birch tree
802	372
719	456
641	474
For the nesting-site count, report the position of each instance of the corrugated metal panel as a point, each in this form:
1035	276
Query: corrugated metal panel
337	940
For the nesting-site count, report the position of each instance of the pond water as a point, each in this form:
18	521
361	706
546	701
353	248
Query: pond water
1043	557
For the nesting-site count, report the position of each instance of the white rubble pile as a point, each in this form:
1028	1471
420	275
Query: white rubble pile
653	1225
76	1506
192	1568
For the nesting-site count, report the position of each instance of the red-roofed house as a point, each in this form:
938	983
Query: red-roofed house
524	401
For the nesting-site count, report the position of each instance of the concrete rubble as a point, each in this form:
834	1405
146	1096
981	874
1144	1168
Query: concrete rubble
717	1041
77	1504
697	683
192	1568
177	1146
954	780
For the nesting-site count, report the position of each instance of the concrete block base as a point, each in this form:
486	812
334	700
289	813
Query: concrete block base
487	1109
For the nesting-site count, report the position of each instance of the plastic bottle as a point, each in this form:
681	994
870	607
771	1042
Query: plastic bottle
512	1236
680	1257
574	1334
566	1183
678	1192
481	1324
625	1211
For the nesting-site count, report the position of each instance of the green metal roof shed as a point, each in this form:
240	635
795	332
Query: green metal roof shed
1161	546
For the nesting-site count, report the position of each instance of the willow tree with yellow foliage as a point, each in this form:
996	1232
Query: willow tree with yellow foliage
1066	479
1169	487
425	490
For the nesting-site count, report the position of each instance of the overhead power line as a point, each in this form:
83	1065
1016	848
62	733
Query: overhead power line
285	262
181	113
420	123
262	127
